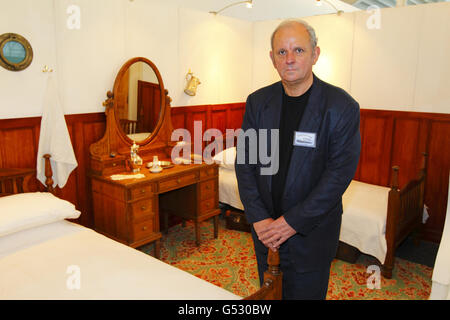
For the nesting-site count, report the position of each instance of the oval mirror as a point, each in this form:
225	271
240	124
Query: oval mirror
138	99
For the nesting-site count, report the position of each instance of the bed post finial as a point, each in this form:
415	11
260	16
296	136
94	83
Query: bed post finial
273	260
48	173
394	179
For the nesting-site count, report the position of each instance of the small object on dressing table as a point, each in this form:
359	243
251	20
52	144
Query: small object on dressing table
135	159
155	167
127	176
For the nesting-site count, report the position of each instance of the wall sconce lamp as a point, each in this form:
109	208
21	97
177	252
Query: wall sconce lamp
319	3
192	83
249	4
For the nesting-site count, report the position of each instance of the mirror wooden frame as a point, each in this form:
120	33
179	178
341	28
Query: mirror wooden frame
117	83
110	154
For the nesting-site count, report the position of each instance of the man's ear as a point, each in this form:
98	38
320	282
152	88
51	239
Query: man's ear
316	54
271	58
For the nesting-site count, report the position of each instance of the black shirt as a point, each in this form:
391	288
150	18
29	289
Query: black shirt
291	115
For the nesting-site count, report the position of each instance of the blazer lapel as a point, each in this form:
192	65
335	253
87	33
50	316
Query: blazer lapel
310	122
271	120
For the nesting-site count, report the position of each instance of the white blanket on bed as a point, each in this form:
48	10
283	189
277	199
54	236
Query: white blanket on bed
228	188
52	261
364	218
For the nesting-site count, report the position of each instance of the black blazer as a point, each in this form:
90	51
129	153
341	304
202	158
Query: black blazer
317	177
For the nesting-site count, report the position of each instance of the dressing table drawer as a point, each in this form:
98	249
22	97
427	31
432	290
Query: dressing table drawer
142	230
207	189
141	209
208	173
140	192
207	205
176	182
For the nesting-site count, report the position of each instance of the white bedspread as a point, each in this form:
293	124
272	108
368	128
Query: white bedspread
50	262
364	218
228	188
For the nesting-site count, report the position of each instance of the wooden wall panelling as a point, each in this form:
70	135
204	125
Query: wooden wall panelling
219	119
236	115
222	117
436	189
389	138
409	141
376	145
178	118
19	143
84	130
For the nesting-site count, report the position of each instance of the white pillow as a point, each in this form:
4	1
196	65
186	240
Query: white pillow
226	158
27	210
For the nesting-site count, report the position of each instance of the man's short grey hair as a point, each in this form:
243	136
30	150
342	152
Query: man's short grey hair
311	32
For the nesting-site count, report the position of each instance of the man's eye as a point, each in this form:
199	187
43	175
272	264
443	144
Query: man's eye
299	50
282	52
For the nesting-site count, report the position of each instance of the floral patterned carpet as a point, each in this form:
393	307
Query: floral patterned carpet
229	262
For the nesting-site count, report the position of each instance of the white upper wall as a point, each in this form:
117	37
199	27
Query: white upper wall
22	92
218	50
404	65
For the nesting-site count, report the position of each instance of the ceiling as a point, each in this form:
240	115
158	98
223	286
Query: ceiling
364	4
268	9
282	9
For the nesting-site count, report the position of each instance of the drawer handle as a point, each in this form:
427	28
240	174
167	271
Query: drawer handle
143	208
178	181
143	191
144	228
208	187
114	164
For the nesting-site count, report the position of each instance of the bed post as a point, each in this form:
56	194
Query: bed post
392	210
272	286
48	174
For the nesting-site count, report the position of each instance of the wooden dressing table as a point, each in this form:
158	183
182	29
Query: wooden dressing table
130	210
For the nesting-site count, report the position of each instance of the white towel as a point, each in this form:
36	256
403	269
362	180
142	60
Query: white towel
54	139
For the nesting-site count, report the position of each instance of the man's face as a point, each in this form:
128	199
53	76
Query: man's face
292	54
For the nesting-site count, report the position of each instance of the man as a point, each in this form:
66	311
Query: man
297	210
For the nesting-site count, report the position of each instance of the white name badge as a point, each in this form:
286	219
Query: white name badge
305	139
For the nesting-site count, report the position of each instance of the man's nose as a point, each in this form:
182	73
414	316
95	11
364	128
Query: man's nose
290	58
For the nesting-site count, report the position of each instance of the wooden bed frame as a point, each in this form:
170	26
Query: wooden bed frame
404	213
13	181
404	216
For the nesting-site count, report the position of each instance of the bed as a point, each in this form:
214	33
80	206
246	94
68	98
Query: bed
376	219
45	256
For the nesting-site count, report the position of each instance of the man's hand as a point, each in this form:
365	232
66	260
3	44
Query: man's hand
275	232
262	225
